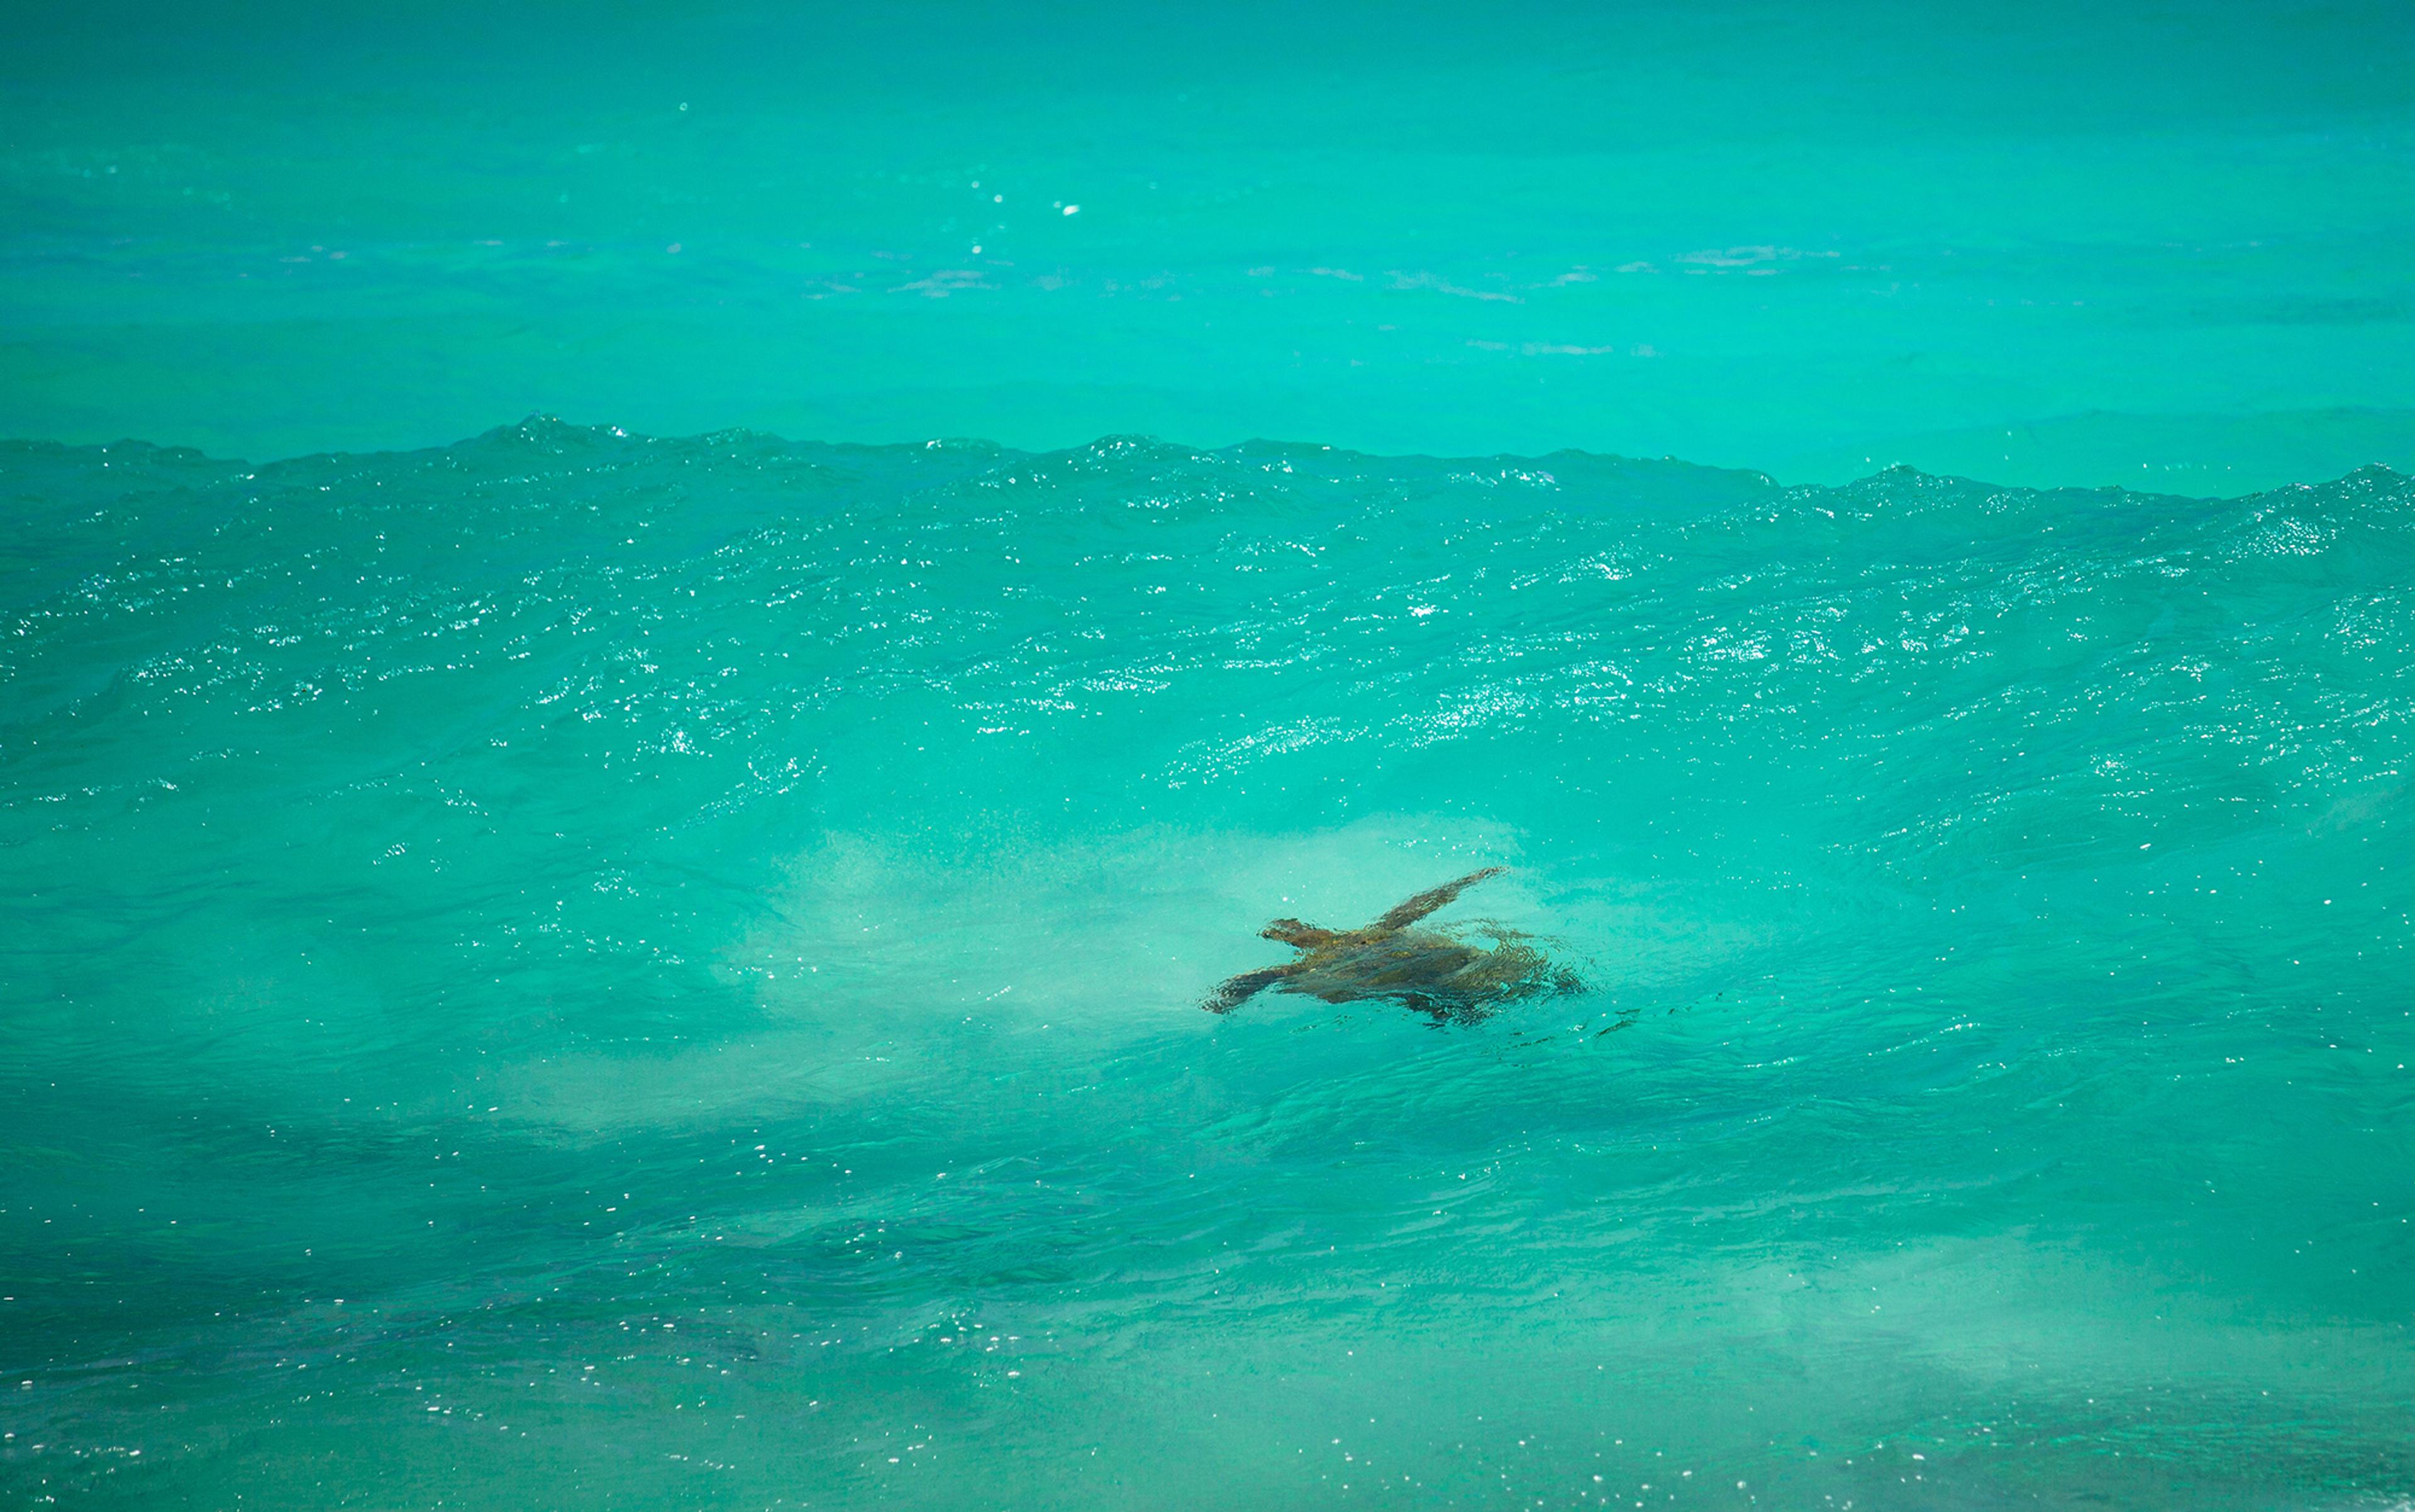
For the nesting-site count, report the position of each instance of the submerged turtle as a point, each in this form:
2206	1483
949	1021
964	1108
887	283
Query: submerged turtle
1432	970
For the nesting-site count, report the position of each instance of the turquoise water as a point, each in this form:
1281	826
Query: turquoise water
582	968
579	970
2049	244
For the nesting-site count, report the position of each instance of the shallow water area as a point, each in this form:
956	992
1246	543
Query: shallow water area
575	969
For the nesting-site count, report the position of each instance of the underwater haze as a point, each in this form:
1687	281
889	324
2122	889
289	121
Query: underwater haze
577	970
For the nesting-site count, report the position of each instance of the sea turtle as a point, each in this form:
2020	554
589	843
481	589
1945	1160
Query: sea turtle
1431	970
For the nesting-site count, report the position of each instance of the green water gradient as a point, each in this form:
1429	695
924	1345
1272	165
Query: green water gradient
574	970
2154	245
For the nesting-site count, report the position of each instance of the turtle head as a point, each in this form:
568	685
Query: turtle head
1293	932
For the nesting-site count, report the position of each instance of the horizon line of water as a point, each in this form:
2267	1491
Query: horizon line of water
546	423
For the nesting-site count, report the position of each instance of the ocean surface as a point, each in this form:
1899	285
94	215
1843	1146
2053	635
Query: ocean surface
579	970
2064	242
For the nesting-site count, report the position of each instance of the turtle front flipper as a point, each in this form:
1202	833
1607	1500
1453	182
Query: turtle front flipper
1404	914
1240	989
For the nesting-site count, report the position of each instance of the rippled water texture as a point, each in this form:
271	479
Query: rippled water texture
574	970
2060	242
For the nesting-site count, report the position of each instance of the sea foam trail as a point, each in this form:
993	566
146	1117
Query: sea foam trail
698	944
